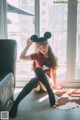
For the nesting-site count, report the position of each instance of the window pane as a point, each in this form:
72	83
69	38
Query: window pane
77	70
20	27
53	17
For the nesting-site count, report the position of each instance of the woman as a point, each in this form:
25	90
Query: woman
45	64
43	58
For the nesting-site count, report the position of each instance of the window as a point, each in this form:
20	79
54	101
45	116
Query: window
77	66
20	28
55	18
60	19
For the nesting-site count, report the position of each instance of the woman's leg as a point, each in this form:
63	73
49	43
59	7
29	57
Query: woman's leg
26	90
42	87
38	88
50	83
42	77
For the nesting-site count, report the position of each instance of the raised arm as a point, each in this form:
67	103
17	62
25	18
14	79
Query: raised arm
23	54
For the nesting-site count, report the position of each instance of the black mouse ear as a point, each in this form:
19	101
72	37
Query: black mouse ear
47	35
34	38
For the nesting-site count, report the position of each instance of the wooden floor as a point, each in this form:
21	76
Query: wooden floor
35	106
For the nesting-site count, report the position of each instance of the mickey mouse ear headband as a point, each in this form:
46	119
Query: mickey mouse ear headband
35	38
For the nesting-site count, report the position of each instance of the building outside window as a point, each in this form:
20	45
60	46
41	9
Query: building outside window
20	28
55	21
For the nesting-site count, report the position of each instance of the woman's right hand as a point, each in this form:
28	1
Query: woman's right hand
29	42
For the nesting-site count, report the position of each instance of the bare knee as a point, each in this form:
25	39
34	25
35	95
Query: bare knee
37	89
43	87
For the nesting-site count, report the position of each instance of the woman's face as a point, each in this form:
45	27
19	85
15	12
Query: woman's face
42	47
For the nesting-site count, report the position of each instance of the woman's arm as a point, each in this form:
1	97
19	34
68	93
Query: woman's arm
54	80
53	76
23	54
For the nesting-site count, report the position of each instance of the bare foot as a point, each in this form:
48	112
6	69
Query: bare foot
58	87
59	93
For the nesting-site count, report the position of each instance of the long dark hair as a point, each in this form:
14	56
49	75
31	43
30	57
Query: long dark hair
52	57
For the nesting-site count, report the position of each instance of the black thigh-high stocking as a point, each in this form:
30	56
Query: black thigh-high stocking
25	91
42	77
